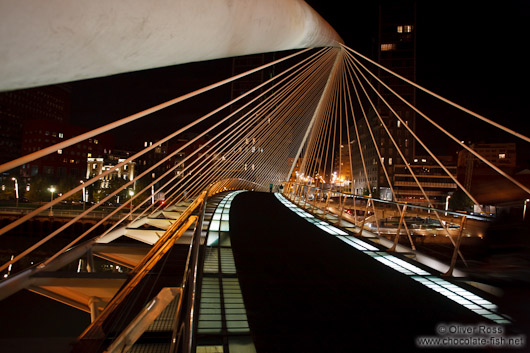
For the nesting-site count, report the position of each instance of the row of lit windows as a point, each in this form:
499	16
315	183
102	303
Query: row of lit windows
404	29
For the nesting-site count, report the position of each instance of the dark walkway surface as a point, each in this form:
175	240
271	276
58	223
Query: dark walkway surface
306	291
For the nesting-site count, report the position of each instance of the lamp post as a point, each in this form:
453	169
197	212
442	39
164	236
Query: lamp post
447	203
524	208
16	188
131	193
84	196
52	190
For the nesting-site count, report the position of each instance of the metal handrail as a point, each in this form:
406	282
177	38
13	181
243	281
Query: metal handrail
425	208
185	322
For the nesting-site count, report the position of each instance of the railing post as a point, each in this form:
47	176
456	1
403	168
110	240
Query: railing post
365	215
315	196
342	208
354	210
449	272
396	238
305	197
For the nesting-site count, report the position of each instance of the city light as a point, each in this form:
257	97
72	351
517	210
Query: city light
131	193
52	190
85	198
447	203
16	188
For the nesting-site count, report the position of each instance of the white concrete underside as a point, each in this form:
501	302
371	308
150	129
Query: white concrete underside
46	42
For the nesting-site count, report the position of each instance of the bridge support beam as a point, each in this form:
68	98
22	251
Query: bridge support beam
94	304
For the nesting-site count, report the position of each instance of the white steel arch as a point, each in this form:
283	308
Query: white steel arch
47	42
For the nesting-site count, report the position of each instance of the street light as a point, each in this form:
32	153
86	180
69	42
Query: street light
84	197
524	208
447	203
52	190
131	193
16	188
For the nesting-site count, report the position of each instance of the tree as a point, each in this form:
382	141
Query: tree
459	201
39	188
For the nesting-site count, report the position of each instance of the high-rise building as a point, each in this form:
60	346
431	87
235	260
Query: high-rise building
397	52
51	103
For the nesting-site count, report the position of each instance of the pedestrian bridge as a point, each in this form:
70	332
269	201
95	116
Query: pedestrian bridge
224	265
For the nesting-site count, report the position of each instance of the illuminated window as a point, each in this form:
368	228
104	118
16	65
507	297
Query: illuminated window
96	142
502	155
61	135
389	161
388	46
398	123
407	29
400	29
59	151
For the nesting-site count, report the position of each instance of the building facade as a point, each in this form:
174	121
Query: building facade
68	162
397	52
50	103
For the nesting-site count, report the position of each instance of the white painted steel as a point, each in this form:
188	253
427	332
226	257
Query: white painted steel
46	42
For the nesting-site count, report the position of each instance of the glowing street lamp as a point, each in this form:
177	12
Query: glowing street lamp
52	190
84	196
131	193
16	188
447	203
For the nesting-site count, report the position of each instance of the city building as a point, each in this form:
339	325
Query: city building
501	155
436	183
98	165
68	162
397	52
50	103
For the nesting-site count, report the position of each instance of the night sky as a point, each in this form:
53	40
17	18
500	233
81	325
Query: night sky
468	51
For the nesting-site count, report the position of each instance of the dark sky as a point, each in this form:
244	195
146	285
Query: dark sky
469	51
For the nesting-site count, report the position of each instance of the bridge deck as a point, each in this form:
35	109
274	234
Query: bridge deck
307	291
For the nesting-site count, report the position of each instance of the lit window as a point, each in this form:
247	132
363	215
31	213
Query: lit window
400	29
145	144
61	135
389	161
502	155
59	151
96	142
388	46
407	29
89	155
398	123
423	160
